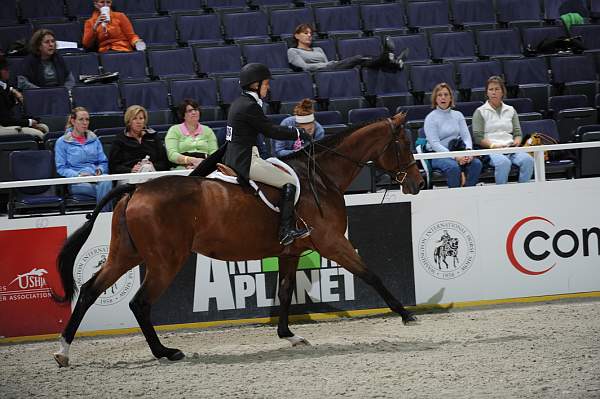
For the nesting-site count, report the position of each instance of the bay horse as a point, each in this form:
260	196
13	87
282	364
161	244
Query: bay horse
158	224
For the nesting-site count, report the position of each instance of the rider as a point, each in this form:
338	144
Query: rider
246	120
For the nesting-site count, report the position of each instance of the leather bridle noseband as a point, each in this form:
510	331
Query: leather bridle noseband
398	175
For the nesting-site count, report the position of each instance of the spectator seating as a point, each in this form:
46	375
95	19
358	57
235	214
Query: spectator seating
11	33
590	35
331	121
467	108
8	13
530	77
575	75
173	6
51	104
71	31
102	102
246	26
453	46
204	91
156	31
365	46
519	12
172	63
558	163
473	78
272	54
284	21
383	19
571	111
151	95
533	36
340	20
363	115
328	46
229	89
524	107
588	159
82	64
428	16
390	89
131	66
473	14
425	77
135	8
499	43
33	165
41	10
218	60
10	143
202	29
340	89
288	89
79	8
418	50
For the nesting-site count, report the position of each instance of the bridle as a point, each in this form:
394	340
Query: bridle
398	175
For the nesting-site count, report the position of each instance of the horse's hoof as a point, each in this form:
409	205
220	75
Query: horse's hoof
296	340
410	320
62	360
175	356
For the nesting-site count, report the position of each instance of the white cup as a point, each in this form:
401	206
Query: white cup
106	12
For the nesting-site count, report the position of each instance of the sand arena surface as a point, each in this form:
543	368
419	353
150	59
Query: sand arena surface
547	350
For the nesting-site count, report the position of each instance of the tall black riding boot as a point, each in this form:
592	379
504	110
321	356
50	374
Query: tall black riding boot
287	226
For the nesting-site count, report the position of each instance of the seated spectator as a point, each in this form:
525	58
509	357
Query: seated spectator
79	153
189	142
446	130
304	117
304	57
110	30
44	67
496	125
9	97
137	149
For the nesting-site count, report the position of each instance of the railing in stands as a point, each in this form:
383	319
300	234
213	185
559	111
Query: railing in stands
540	167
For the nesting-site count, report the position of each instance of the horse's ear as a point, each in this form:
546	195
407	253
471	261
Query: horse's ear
399	118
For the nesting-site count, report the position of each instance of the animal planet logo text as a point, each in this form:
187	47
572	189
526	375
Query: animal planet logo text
447	250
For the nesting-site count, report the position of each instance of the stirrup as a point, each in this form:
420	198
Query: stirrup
290	236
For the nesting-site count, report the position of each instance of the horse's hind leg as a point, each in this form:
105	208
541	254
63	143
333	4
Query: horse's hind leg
287	281
141	305
341	251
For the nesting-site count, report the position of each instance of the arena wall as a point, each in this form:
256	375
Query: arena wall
439	248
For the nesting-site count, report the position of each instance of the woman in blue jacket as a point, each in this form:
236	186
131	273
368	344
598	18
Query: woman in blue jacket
79	153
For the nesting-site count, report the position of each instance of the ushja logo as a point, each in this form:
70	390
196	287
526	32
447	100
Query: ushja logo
33	279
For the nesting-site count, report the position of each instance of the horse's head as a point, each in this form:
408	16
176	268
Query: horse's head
397	158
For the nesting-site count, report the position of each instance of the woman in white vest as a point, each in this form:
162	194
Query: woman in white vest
496	125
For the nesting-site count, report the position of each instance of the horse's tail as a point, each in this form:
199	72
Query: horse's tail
66	257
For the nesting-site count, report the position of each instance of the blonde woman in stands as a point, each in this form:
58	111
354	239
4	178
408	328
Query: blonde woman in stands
79	153
9	98
110	30
496	125
189	142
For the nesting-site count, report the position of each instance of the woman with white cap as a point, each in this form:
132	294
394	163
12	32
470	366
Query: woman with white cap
304	117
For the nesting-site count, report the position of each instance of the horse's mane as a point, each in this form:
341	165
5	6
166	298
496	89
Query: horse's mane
329	141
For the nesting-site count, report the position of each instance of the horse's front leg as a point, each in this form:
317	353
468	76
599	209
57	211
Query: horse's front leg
287	282
340	250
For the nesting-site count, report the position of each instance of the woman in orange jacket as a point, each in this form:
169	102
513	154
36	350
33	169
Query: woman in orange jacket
110	30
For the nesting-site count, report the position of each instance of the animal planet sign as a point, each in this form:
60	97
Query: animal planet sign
27	272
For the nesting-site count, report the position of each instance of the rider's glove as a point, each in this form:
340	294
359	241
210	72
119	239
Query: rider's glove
304	135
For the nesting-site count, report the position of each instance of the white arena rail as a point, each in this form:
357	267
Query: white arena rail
540	170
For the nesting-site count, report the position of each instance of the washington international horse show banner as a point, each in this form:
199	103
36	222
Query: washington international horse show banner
439	247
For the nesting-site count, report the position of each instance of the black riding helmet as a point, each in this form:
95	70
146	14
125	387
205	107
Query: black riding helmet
254	72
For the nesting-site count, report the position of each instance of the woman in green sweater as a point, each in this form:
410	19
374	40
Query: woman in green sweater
189	142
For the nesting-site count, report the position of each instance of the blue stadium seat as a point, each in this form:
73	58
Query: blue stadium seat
10	143
131	66
8	13
153	96
169	6
552	8
135	8
202	29
220	132
519	12
570	112
467	108
559	103
79	8
33	165
98	99
42	10
341	89
273	55
473	77
229	89
218	60
246	26
11	33
365	46
417	46
64	31
340	20
204	91
430	15
425	77
453	46
389	88
473	14
363	115
590	35
383	19
415	115
521	105
499	43
225	4
575	75
329	117
533	36
328	46
156	31
48	101
283	22
530	76
172	63
82	64
288	89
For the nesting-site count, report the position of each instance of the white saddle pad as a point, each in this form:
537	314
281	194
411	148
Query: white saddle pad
275	161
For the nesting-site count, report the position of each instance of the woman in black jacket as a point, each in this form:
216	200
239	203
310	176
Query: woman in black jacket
246	120
44	67
137	149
